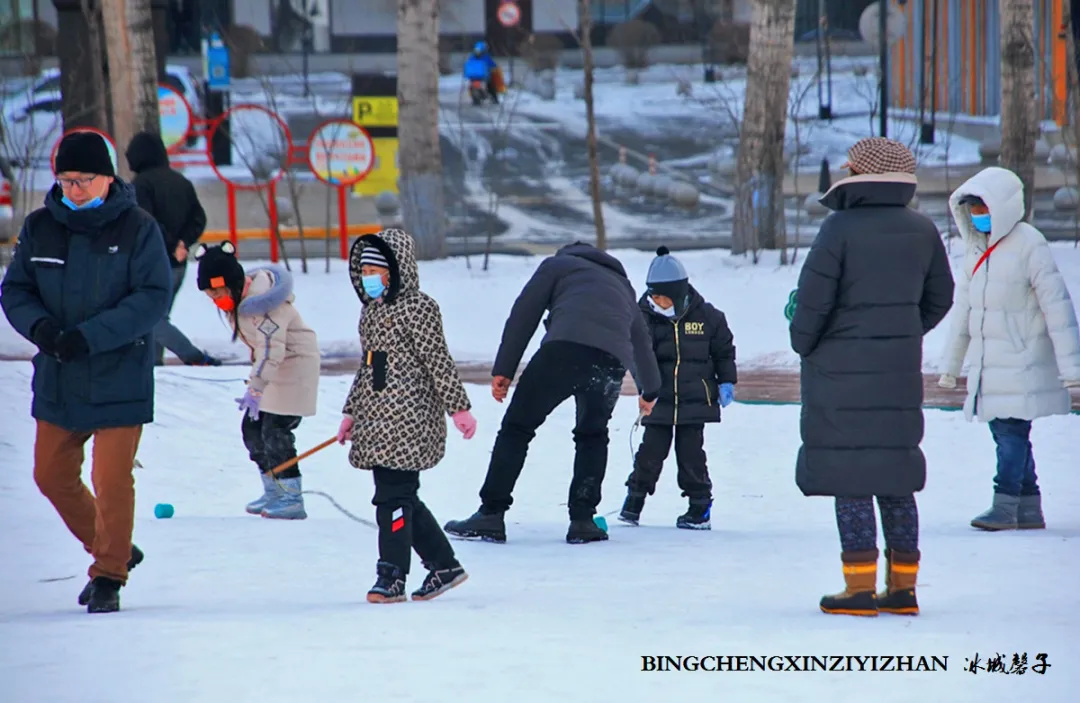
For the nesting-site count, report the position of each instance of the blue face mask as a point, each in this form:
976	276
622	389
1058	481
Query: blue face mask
981	223
373	286
88	205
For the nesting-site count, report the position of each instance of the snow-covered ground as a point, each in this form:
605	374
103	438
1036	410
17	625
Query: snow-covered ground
228	607
475	304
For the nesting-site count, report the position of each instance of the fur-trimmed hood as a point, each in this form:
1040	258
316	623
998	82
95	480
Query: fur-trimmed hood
271	286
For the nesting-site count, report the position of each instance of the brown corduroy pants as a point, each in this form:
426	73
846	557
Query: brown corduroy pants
103	523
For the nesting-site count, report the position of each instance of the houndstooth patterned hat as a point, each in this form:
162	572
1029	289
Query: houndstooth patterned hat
880	155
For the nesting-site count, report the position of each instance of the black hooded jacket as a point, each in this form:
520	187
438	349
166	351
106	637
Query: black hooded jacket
696	353
590	301
166	194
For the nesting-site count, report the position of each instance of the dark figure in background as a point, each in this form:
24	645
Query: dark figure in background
171	199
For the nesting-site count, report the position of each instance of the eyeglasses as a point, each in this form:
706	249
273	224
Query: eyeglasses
72	182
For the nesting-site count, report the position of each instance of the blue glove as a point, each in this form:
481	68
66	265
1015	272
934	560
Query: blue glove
727	394
250	403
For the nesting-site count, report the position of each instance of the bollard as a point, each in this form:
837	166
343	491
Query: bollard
388	207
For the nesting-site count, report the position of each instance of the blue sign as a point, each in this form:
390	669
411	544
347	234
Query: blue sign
216	62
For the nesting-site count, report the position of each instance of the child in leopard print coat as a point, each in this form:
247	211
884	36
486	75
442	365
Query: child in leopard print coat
396	411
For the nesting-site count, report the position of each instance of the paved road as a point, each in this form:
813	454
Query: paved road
755	385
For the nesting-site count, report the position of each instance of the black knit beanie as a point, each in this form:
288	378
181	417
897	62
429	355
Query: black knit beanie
84	152
219	268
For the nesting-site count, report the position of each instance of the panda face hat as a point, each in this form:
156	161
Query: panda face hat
219	267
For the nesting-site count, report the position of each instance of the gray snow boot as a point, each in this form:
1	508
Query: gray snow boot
288	504
1029	514
270	491
1001	515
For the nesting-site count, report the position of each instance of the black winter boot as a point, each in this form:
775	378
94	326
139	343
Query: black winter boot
439	581
584	531
488	527
632	507
389	585
697	517
136	559
104	596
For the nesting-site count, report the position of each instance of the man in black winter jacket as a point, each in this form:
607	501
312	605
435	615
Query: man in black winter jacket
595	332
696	353
171	199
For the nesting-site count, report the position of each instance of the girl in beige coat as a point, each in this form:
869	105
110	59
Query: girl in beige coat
284	380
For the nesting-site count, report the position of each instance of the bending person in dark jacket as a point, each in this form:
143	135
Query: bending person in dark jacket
171	199
89	280
595	332
696	353
875	281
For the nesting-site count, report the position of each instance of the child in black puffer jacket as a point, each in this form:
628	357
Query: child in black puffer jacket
696	353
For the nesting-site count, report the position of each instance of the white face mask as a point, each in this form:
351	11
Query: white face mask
666	312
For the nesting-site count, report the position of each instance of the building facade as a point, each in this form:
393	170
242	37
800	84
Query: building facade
949	59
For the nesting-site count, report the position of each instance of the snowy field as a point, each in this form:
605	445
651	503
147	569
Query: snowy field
475	304
655	108
228	607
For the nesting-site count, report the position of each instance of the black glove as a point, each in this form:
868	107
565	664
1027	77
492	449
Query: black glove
72	346
45	335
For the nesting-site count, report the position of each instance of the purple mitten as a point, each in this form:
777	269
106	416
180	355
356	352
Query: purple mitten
250	403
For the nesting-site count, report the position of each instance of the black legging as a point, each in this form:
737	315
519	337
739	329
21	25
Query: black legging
858	525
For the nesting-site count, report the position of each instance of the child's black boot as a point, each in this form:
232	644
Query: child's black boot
697	517
440	580
632	507
389	585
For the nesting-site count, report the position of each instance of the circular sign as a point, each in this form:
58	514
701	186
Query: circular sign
509	14
260	142
108	144
176	118
340	153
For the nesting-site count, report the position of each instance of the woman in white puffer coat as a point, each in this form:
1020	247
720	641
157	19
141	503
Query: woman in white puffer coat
1014	320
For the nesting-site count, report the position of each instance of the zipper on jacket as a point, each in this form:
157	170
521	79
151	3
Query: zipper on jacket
678	360
708	397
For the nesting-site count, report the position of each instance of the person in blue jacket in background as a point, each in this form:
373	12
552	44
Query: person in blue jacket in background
480	66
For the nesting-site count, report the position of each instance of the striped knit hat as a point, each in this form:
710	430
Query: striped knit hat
370	256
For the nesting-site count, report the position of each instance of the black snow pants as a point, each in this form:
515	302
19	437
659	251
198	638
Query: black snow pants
693	476
558	370
405	523
270	442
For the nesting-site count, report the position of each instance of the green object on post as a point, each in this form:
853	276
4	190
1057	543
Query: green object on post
789	309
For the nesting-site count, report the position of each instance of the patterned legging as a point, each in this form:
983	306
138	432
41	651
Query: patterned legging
858	525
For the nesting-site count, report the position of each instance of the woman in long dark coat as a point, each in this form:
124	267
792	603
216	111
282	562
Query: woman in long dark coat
875	281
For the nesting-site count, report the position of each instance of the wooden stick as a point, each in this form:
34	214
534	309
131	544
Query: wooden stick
291	462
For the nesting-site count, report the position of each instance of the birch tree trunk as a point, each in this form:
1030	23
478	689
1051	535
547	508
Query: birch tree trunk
1019	113
759	164
421	179
96	113
585	29
129	41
